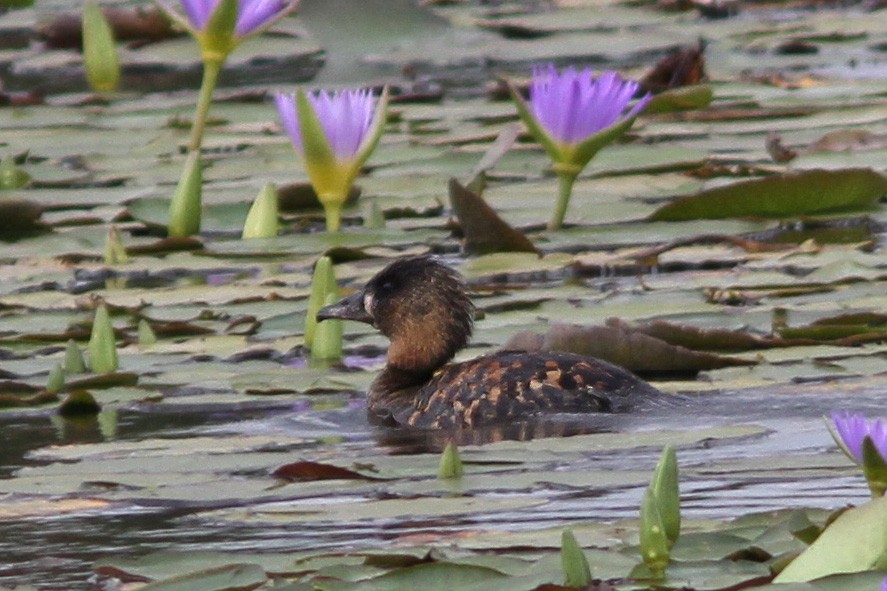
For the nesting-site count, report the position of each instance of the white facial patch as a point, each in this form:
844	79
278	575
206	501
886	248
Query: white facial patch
368	303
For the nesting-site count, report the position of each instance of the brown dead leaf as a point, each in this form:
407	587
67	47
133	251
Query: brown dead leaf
306	471
627	347
483	230
682	67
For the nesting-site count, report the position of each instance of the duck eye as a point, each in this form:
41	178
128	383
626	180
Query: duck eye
368	303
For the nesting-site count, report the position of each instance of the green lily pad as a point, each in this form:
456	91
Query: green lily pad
793	194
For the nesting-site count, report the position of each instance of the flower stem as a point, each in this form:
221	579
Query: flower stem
211	69
566	179
333	214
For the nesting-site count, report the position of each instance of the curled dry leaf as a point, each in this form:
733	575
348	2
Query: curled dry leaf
627	347
483	230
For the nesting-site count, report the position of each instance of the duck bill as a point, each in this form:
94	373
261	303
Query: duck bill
350	308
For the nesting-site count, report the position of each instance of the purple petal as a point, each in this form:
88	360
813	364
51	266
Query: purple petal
286	108
853	429
253	14
572	105
884	584
346	116
199	11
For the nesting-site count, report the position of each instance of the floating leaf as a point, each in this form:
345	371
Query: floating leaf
856	541
223	578
780	196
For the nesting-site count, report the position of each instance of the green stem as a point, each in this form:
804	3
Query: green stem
211	69
566	188
333	214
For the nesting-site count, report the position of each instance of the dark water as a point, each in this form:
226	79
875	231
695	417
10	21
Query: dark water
57	552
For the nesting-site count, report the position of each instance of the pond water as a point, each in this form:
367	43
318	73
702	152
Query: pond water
722	478
783	313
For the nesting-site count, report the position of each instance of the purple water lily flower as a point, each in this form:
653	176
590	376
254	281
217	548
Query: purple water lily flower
251	14
884	584
573	105
334	133
853	429
345	115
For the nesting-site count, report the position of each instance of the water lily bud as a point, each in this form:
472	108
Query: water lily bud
577	572
184	210
450	462
11	176
99	51
74	362
262	219
323	283
375	218
56	380
115	252
654	541
664	485
146	333
328	336
102	347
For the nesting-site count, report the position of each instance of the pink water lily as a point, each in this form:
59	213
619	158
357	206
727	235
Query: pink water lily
346	117
854	428
573	105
